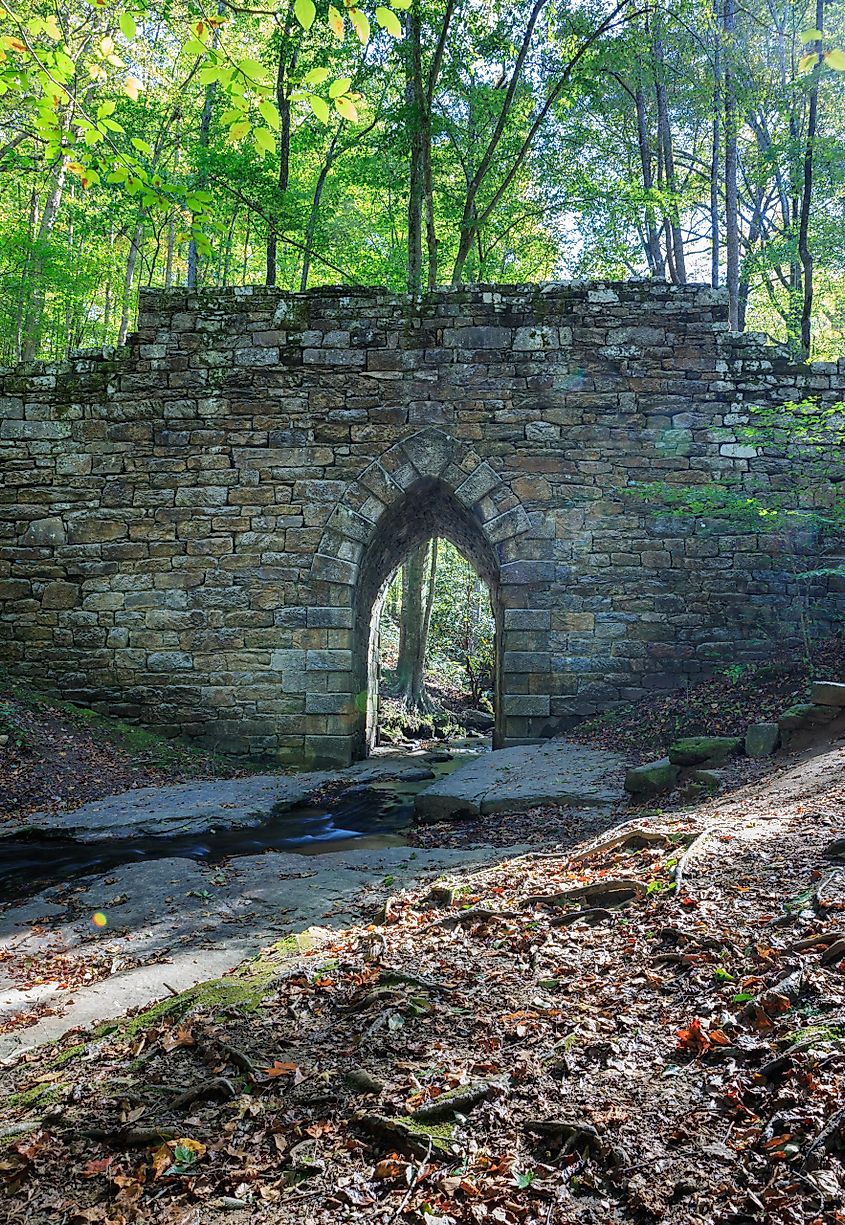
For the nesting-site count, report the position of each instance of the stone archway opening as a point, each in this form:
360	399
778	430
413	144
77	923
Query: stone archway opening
427	510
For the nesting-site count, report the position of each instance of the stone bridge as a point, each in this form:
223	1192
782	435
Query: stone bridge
197	530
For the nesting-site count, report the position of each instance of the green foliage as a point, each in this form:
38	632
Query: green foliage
461	643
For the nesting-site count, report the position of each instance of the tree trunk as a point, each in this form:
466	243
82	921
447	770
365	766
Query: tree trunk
131	260
654	255
731	205
416	169
314	213
283	106
205	125
417	598
716	152
35	313
664	137
171	244
804	253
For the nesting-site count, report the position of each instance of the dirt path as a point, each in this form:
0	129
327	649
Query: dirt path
674	1054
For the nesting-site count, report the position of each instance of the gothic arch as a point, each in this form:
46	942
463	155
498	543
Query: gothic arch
426	485
429	453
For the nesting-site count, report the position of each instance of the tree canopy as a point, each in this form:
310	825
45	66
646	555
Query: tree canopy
418	143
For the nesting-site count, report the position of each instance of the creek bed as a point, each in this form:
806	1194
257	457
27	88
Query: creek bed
365	816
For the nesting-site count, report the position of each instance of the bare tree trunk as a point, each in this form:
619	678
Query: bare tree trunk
171	243
804	252
754	232
34	319
311	227
414	627
716	151
205	125
731	205
664	137
654	254
131	260
416	185
283	70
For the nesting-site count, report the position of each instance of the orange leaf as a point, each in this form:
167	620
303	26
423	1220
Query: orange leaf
96	1166
281	1069
694	1038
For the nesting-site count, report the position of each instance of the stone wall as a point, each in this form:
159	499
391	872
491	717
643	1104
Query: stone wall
196	529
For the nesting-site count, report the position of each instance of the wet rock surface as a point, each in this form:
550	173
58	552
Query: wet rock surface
526	776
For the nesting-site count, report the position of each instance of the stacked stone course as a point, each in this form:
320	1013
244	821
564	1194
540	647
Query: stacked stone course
195	529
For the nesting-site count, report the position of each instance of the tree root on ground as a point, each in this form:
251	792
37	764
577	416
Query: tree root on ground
688	855
129	1137
635	837
473	914
219	1087
593	915
611	892
457	1101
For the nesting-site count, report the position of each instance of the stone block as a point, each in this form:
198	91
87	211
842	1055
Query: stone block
828	693
170	661
45	532
60	595
762	739
652	778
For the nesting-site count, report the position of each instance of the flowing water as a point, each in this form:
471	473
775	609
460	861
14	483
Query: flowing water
364	816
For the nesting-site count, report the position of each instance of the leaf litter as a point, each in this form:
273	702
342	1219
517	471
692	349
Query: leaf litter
587	1034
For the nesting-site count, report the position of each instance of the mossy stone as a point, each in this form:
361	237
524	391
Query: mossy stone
701	750
652	778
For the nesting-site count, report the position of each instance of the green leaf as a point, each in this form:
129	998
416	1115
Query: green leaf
142	146
254	71
105	109
400	4
93	137
339	87
344	107
128	28
210	74
52	29
360	24
238	130
305	12
319	106
388	20
194	47
269	113
810	36
264	140
835	60
316	76
111	126
232	115
336	23
807	62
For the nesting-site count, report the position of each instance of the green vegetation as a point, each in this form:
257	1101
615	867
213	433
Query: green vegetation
412	143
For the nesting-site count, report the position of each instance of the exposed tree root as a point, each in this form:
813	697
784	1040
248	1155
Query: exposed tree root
457	1101
219	1087
473	914
689	854
610	892
593	915
635	838
129	1137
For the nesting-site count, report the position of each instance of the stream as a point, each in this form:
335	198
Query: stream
365	816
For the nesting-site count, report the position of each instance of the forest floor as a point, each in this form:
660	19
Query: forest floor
648	1026
55	755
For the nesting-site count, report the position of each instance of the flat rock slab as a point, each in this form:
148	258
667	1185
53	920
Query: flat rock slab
208	805
526	776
